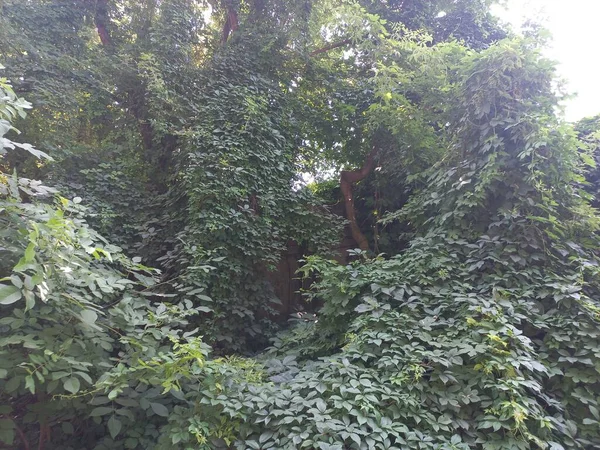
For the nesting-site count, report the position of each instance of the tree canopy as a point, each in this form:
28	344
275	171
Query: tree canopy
274	224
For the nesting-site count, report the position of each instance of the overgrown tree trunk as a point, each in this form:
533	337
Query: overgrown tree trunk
347	179
101	20
231	22
158	151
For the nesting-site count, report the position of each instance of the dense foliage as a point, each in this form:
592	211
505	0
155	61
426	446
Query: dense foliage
185	166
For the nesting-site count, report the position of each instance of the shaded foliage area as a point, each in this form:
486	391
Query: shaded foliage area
470	22
136	302
237	176
463	341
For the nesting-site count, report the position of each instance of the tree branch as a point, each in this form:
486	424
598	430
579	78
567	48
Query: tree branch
22	436
330	47
44	435
19	431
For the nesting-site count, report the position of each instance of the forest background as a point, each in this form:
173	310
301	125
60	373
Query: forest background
169	279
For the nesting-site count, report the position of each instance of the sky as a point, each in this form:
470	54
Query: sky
574	25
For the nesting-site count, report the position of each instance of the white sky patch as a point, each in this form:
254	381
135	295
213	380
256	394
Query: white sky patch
574	26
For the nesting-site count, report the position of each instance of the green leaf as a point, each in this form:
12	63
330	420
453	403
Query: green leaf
16	281
7	436
29	300
89	316
114	426
30	252
30	384
363	307
265	437
60	374
159	409
127	402
12	384
321	405
67	428
9	294
6	424
34	151
99	401
365	382
84	376
588	160
101	411
72	385
113	394
131	443
126	412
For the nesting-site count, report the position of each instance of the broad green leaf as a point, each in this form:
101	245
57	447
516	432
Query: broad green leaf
113	394
35	152
7	435
159	409
30	252
29	300
89	316
72	385
114	426
127	402
13	384
9	294
16	281
30	384
101	411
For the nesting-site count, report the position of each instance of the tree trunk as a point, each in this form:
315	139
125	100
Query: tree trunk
231	23
158	151
347	179
101	19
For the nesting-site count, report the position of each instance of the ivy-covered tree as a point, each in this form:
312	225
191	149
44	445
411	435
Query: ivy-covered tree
73	309
483	333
